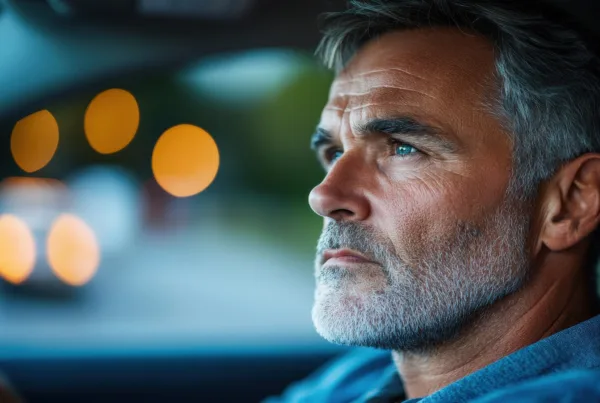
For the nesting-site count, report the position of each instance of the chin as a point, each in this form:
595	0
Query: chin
352	306
372	317
340	315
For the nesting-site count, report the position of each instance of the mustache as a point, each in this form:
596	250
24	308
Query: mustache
355	236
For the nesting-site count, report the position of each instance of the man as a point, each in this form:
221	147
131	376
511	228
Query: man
461	143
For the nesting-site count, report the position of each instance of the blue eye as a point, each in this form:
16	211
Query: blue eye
403	149
334	155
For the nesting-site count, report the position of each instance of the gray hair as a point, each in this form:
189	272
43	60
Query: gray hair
549	78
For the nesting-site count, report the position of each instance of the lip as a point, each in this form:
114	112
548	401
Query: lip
345	256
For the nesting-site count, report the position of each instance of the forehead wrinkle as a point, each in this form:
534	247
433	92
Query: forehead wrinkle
395	97
383	81
355	77
386	86
346	94
373	104
385	93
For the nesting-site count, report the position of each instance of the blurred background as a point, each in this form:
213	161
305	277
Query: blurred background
154	178
165	208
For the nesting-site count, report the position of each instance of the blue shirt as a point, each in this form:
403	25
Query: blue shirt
564	367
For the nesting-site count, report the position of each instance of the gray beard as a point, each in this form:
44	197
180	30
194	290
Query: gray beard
415	309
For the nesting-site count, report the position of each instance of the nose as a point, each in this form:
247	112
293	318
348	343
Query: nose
341	195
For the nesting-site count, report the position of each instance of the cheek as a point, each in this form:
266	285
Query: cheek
419	213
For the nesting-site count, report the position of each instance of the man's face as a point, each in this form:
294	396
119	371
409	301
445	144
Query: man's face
417	172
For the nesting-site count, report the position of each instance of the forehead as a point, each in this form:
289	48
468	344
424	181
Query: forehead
443	73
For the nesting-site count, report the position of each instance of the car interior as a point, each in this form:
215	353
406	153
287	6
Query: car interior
155	238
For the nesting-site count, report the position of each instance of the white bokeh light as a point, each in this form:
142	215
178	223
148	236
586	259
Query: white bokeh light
109	200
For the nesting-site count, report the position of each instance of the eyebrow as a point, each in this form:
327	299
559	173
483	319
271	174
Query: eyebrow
320	138
404	125
409	128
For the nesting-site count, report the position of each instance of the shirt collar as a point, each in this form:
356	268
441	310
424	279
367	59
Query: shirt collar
575	347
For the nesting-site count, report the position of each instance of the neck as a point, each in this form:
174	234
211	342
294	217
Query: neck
553	299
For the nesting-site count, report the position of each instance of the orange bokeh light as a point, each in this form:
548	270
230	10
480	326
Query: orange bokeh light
17	249
111	120
185	160
72	250
34	141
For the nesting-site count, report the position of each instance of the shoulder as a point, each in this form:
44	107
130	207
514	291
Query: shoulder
343	379
564	387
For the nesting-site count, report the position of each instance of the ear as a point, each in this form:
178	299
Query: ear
572	203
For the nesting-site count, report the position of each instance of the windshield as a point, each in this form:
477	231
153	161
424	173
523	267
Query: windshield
164	210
